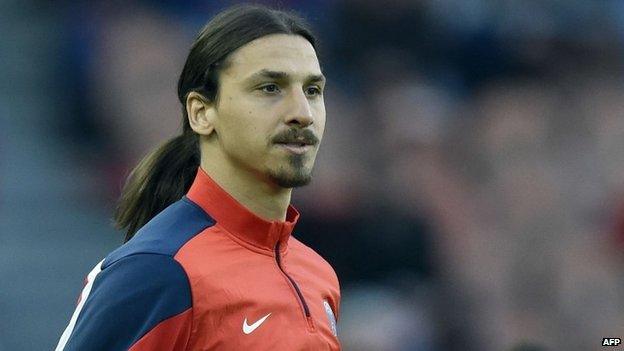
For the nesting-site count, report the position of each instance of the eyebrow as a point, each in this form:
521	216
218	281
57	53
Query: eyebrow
277	75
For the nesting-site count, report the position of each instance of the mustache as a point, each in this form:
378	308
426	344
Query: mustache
295	135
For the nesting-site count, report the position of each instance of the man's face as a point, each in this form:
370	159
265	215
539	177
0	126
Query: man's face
270	109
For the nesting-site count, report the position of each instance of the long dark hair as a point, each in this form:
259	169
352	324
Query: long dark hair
166	173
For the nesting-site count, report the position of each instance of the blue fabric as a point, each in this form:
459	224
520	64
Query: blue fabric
140	284
165	233
127	300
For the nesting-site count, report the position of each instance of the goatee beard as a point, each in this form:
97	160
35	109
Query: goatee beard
295	176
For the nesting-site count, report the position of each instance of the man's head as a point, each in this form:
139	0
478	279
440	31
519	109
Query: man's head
251	92
260	108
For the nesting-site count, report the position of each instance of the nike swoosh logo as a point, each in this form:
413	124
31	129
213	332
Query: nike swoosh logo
248	329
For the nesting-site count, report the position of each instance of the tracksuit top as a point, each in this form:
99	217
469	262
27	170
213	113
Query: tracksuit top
208	274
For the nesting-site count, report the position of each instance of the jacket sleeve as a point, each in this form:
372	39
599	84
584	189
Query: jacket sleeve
140	302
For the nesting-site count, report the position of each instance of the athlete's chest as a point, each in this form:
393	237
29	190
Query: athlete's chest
257	302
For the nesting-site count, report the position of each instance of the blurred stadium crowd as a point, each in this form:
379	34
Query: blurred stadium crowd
469	191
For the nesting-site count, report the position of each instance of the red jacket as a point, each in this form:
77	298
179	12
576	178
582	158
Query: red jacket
208	274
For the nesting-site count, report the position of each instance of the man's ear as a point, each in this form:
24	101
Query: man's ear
201	113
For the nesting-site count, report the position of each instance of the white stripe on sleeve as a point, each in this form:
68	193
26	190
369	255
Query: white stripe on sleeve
83	298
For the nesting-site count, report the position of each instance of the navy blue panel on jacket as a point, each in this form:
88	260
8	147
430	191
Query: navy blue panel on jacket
165	233
127	300
140	284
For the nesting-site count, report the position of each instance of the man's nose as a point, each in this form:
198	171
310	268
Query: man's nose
299	110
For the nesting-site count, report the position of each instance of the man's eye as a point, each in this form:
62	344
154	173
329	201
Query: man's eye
270	88
313	91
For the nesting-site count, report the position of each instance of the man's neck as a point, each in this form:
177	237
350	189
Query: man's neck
264	200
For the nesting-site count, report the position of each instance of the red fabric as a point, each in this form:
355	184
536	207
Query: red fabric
236	280
169	335
236	218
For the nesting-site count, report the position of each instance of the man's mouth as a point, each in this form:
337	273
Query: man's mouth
296	141
296	147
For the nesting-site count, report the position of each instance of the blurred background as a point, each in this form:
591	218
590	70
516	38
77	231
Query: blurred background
469	191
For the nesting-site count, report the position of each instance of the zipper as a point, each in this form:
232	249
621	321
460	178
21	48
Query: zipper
306	310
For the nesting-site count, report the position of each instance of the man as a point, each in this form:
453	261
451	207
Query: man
213	265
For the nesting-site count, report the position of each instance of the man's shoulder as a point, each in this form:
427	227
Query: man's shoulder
124	301
166	233
310	255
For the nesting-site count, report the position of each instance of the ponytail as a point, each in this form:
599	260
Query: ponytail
159	180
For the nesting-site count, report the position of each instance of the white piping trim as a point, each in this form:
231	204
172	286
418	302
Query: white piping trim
83	298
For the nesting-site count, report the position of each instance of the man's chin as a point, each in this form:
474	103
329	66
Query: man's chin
290	180
292	175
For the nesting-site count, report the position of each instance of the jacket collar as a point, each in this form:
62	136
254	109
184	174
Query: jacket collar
237	219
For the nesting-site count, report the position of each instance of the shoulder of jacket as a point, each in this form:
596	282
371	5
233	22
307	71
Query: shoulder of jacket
166	233
299	247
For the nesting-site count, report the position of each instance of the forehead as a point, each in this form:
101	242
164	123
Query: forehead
287	53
